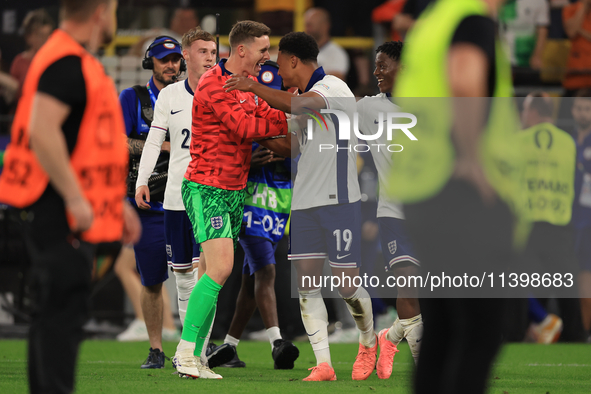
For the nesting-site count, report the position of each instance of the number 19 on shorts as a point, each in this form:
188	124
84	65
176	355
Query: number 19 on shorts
346	239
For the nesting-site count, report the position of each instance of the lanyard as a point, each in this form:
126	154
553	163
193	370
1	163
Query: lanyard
152	96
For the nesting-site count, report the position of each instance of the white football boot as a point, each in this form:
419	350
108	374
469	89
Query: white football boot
206	373
186	364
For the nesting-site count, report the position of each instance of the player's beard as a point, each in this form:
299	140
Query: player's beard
159	76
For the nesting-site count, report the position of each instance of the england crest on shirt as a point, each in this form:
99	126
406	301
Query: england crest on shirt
217	222
392	247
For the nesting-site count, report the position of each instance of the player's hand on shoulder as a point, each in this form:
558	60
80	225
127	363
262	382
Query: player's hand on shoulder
142	197
81	212
236	82
132	228
260	157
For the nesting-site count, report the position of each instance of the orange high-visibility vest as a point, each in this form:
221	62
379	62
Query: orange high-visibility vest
100	156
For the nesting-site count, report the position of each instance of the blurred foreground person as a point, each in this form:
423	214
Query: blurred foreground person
66	168
452	184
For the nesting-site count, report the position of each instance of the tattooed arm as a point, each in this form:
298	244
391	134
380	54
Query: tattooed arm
135	146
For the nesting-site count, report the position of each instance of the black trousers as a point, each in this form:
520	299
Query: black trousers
551	249
60	286
455	233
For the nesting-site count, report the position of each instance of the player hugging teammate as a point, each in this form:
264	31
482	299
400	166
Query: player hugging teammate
228	112
326	211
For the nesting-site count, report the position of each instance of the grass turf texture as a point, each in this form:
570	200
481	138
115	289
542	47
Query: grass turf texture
113	367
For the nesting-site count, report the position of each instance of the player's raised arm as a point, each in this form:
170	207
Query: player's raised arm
279	99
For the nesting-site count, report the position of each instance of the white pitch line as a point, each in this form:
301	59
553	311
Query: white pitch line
559	365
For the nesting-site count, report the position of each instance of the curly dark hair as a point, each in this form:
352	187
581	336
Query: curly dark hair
391	48
301	45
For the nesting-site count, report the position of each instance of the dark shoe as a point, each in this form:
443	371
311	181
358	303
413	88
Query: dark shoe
218	355
210	348
155	360
284	354
234	363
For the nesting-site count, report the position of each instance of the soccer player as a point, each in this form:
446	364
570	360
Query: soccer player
172	114
164	58
65	171
326	206
266	211
398	253
213	190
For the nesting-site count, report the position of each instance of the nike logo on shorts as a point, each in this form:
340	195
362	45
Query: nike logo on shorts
175	112
342	257
241	101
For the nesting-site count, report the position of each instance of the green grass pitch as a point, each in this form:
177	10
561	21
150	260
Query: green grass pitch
112	367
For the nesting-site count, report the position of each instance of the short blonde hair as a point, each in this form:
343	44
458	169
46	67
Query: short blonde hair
195	34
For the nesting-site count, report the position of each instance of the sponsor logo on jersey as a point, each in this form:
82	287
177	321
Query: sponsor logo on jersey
217	222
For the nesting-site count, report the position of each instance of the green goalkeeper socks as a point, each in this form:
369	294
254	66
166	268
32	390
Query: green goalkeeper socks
200	312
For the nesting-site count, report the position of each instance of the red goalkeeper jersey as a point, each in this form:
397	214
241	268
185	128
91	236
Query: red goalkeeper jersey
224	125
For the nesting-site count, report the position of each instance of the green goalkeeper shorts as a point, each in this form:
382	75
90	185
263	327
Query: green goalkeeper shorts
214	212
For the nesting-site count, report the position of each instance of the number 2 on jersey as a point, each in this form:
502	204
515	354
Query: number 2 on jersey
187	134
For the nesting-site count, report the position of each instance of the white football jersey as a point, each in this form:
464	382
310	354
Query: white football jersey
173	112
369	109
327	176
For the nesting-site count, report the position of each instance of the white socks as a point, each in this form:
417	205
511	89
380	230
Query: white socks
231	340
359	305
184	345
411	329
274	334
185	282
395	333
315	319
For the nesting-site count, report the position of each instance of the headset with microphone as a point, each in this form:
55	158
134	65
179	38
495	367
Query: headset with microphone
148	62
